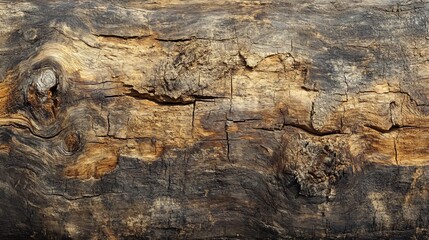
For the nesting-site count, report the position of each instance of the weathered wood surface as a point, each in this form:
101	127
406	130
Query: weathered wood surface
214	119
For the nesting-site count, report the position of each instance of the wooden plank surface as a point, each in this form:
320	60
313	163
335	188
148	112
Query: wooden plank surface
214	119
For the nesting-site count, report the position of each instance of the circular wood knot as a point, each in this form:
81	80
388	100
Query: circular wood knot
30	35
46	80
71	143
42	94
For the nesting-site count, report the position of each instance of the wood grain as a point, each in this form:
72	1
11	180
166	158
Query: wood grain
214	119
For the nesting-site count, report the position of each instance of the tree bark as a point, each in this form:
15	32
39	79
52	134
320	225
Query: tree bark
214	119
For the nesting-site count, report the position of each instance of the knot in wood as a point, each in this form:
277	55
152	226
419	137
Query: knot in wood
71	143
30	35
42	95
47	80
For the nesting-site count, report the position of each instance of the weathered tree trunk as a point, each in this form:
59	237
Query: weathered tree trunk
214	119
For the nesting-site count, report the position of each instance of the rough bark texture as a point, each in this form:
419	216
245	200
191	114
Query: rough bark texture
214	119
